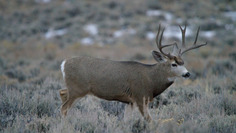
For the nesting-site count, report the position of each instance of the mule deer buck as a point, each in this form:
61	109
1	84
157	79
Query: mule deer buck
125	81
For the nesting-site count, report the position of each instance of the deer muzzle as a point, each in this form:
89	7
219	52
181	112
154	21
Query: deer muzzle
186	75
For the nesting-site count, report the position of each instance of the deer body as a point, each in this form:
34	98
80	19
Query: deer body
125	81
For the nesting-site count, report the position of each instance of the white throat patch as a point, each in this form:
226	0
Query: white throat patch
172	79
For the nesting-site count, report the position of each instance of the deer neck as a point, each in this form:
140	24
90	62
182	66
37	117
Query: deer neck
161	77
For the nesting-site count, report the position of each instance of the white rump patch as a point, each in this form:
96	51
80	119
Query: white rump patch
62	68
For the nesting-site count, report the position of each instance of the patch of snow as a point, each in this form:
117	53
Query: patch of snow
43	1
208	34
229	26
92	29
52	33
150	35
153	13
167	15
120	33
131	31
87	41
175	32
231	15
179	20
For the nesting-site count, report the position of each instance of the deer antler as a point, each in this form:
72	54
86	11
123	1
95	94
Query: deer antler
160	46
183	47
183	36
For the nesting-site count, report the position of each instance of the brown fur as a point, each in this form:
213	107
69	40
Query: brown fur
127	81
63	94
178	60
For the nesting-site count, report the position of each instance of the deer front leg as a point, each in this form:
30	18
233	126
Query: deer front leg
143	108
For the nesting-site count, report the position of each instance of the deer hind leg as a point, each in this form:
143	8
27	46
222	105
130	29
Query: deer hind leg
143	108
63	95
66	105
71	97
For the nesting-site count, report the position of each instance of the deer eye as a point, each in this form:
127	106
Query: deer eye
174	65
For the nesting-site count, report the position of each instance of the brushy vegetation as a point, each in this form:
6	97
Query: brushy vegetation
200	106
30	66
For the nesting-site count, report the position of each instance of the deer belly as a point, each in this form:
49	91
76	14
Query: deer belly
111	94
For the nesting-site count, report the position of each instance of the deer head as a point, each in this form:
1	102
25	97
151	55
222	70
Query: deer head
174	59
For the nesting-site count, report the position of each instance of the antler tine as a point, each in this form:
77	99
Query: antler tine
159	45
194	47
196	36
194	44
183	35
159	29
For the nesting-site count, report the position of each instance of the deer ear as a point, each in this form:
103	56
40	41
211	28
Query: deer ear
158	56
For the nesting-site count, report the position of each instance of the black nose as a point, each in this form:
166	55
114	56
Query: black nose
186	75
